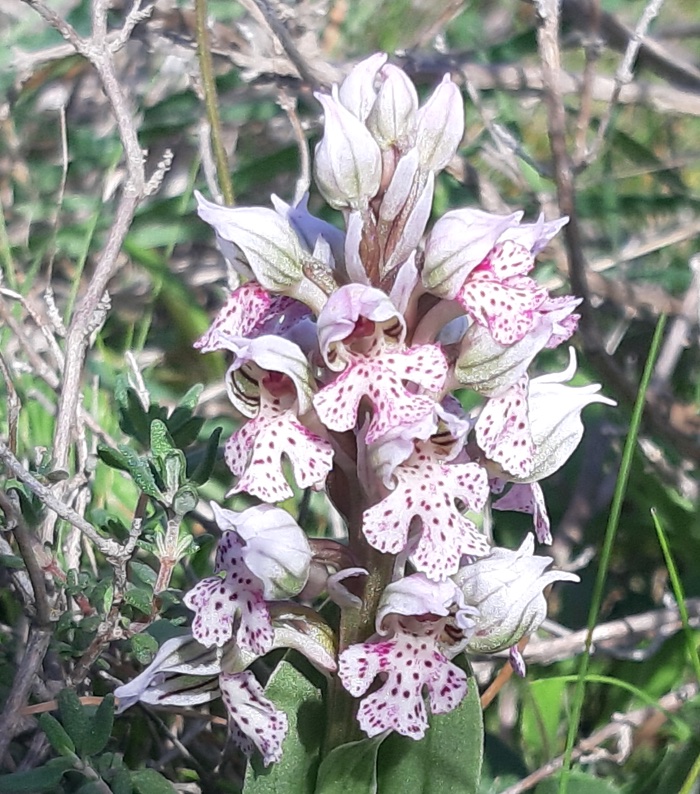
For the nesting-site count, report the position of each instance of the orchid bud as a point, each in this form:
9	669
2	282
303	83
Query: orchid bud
357	92
555	418
507	589
348	163
440	126
460	241
392	119
310	228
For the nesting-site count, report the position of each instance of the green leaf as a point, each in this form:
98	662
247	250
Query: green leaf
144	647
57	736
206	465
112	457
579	783
290	691
161	443
173	470
11	561
185	500
541	721
74	717
92	787
139	598
447	761
185	433
148	781
120	783
34	781
143	572
350	768
100	727
141	472
191	399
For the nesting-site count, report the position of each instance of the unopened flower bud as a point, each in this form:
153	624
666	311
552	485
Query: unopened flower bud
392	119
276	549
506	587
357	92
440	126
555	418
348	163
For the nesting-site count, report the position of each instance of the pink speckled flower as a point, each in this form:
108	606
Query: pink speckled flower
388	361
408	662
424	500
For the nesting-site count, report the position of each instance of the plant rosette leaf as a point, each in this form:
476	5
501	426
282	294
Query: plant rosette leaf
350	768
446	761
43	778
301	701
74	718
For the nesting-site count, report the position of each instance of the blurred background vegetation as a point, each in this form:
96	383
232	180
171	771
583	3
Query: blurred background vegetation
637	196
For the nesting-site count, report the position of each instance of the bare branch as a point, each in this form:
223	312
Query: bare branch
623	76
109	548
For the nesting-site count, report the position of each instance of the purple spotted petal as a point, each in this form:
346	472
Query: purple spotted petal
407	664
234	603
427	491
498	296
380	379
255	723
503	430
254	453
528	498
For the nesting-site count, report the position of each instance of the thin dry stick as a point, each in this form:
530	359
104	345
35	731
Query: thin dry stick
634	719
655	411
27	545
623	76
288	104
106	546
592	49
97	50
27	670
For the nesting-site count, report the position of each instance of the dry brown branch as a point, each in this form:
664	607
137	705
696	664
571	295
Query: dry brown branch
618	638
97	50
12	718
680	427
109	548
623	77
27	545
671	702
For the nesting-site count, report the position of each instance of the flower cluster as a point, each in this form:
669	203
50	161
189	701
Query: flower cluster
349	350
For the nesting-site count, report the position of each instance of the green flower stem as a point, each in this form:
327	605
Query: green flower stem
356	625
206	70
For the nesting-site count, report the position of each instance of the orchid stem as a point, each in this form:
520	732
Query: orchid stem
356	625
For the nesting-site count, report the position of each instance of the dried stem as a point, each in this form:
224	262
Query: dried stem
109	548
11	718
206	71
27	545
